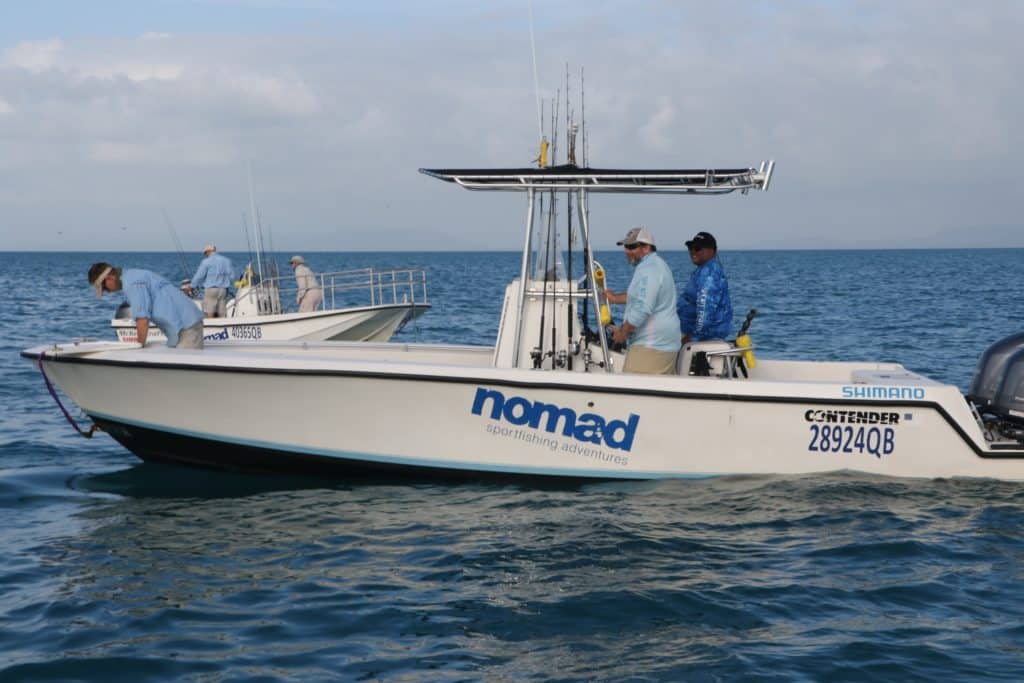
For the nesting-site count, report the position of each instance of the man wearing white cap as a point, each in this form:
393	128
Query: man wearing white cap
310	292
650	323
152	298
214	277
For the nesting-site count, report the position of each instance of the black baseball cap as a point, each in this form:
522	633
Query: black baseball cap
702	240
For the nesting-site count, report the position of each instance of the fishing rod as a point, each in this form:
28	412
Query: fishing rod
536	81
570	131
272	258
551	246
256	227
177	245
245	231
583	119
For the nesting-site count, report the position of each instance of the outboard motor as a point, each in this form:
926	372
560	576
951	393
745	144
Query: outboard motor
992	368
1009	400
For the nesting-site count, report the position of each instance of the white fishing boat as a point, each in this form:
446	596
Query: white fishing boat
363	304
548	399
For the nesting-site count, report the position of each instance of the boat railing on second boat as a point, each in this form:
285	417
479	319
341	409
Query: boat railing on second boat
341	289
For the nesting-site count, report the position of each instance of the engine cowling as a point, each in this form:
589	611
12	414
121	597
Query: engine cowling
991	371
1009	399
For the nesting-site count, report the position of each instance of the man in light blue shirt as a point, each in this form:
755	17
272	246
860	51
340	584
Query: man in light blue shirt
214	277
152	298
650	323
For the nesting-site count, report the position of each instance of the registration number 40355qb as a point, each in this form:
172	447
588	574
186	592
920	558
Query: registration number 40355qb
877	441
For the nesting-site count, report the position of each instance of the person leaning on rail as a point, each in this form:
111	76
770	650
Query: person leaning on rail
152	298
214	277
649	323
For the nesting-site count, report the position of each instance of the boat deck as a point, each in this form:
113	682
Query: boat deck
343	355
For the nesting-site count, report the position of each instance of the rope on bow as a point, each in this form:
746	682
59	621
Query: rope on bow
87	434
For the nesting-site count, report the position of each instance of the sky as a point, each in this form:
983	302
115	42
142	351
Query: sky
893	124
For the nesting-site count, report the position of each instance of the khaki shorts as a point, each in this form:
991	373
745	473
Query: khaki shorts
191	337
643	360
310	301
215	301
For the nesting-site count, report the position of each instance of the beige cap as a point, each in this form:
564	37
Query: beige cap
208	248
98	282
637	236
296	259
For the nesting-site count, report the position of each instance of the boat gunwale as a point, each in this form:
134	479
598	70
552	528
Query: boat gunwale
236	321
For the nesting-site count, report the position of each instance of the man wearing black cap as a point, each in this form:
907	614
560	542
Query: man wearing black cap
705	309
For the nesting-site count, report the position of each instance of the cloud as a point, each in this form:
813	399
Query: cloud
34	56
167	152
656	132
885	120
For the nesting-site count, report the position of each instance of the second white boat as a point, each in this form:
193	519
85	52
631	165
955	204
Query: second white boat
389	299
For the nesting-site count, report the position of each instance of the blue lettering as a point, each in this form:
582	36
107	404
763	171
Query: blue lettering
509	411
223	334
588	427
497	401
865	391
554	413
628	432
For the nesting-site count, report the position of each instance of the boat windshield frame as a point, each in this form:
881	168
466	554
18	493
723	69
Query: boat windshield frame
569	177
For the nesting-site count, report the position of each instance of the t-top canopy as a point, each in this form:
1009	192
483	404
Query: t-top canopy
569	177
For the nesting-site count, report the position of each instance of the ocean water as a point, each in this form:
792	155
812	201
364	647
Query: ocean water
111	569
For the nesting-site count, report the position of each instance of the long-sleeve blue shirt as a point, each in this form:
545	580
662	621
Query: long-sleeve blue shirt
705	309
214	271
153	297
651	304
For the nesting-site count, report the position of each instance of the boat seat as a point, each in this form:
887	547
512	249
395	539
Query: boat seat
715	358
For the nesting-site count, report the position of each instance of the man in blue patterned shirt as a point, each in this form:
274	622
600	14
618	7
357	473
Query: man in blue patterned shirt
649	323
705	310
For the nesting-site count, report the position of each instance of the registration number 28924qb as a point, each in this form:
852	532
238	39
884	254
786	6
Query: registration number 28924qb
877	441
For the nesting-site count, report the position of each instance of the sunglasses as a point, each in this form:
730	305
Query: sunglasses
631	247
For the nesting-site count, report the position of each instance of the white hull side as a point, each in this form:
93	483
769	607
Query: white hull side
377	323
382	411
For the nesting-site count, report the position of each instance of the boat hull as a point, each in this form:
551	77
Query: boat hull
383	411
371	323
